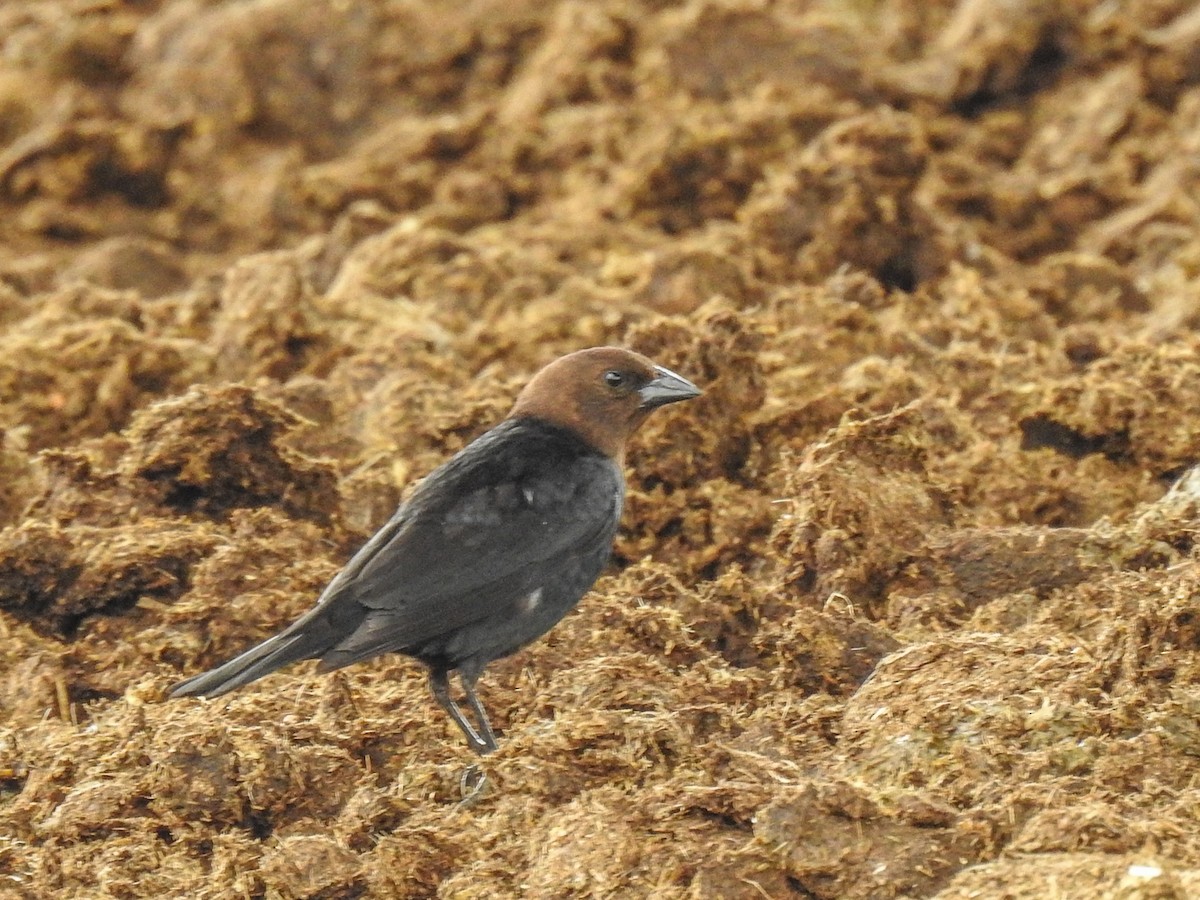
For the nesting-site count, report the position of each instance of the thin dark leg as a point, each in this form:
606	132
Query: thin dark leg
439	684
468	677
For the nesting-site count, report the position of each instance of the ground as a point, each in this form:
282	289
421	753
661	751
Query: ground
905	606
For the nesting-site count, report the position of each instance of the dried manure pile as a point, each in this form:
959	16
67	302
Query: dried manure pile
906	605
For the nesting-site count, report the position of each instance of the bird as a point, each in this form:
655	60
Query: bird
492	549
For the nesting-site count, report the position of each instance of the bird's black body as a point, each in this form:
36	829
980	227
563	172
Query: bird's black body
491	551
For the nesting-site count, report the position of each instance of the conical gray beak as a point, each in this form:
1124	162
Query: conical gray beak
666	387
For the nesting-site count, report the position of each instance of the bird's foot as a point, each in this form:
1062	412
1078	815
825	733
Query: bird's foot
473	785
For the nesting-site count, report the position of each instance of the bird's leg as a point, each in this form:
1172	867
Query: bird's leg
439	684
468	676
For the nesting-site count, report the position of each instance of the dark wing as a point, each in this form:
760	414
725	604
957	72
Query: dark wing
473	540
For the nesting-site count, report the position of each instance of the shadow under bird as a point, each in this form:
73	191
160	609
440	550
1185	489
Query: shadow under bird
493	548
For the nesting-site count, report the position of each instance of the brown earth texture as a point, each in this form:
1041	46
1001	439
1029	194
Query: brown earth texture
905	606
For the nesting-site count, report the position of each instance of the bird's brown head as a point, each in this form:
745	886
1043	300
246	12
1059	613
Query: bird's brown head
602	394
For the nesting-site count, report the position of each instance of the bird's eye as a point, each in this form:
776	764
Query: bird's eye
613	378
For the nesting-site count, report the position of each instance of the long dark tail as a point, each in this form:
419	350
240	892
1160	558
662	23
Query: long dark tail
308	637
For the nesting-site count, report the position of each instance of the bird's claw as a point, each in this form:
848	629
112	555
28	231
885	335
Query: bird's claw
472	785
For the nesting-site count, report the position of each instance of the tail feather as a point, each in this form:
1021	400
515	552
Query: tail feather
310	636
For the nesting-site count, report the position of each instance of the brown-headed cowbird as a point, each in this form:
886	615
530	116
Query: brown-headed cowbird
493	548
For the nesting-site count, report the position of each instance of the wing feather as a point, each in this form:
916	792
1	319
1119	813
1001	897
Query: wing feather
477	543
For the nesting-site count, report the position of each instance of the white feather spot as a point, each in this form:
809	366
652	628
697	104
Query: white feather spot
530	601
527	493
